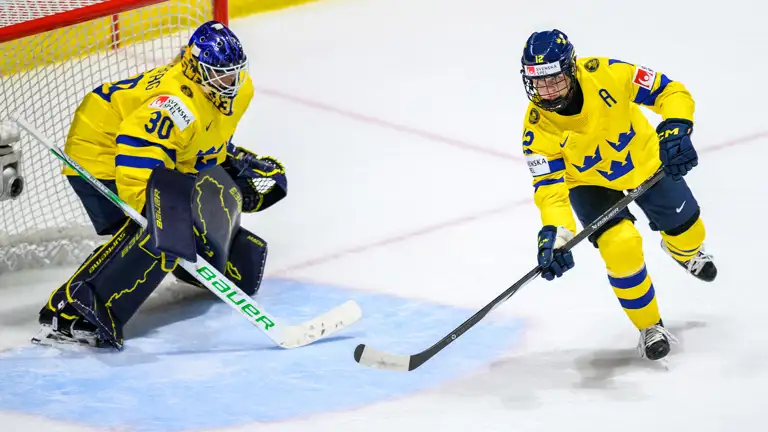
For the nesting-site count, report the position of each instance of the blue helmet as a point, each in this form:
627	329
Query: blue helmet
549	69
221	61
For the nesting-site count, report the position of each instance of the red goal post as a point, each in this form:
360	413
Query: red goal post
53	52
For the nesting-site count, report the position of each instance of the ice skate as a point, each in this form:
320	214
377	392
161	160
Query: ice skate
701	266
57	330
655	342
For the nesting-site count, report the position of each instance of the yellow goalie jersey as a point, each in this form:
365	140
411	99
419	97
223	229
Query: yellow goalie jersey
610	143
122	130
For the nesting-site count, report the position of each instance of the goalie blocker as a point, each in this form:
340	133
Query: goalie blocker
184	212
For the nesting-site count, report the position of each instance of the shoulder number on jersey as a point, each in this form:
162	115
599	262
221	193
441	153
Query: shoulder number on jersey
644	77
179	112
160	124
107	90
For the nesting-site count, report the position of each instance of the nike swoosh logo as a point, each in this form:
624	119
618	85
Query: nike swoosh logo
679	209
562	144
209	125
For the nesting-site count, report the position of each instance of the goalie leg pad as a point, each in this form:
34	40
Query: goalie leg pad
245	265
169	213
111	285
247	259
216	212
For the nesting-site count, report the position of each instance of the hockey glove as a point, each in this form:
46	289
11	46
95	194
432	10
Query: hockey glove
261	179
248	164
675	148
553	261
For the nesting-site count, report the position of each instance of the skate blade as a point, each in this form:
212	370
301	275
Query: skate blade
664	363
47	336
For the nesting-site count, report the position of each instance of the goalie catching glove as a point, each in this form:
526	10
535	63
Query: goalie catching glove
261	179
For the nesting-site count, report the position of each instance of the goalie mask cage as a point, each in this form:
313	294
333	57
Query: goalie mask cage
52	53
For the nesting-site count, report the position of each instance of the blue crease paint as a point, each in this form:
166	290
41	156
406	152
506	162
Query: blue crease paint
198	365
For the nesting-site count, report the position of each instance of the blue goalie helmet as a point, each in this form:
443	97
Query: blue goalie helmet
221	61
549	69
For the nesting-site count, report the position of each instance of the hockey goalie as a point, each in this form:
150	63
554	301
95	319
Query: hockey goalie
162	141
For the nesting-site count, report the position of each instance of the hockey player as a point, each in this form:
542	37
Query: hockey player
586	141
162	141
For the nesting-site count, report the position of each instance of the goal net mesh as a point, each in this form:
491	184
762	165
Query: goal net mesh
43	77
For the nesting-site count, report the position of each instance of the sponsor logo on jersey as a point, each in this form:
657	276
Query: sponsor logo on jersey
542	69
158	102
179	112
537	164
644	77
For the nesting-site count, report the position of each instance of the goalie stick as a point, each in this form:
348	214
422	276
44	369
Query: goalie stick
371	357
284	336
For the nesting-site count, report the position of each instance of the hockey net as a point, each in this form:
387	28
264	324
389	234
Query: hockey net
52	53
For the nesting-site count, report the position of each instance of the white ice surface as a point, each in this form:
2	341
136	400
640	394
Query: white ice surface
399	123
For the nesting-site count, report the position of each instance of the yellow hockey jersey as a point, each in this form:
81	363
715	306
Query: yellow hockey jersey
122	130
610	143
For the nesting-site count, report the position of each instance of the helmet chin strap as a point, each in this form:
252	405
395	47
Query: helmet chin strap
555	104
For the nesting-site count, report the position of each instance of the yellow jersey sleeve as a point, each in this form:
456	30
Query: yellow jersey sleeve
652	89
151	136
541	148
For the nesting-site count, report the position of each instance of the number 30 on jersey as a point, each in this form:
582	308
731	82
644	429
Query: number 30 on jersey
160	124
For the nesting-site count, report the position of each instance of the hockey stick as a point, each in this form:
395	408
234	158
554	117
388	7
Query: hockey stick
374	358
284	336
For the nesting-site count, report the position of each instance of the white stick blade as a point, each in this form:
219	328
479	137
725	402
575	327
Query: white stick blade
321	327
376	359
